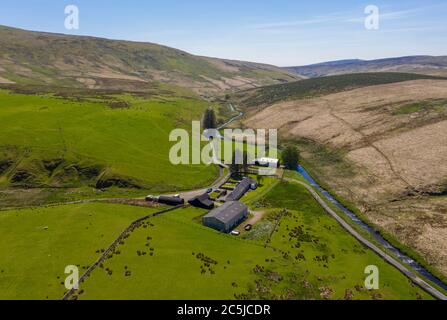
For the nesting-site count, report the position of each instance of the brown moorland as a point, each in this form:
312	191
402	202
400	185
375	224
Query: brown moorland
383	148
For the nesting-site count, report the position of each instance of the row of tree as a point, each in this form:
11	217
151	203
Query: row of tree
291	157
209	119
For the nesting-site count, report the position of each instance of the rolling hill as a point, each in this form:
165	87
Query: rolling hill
56	148
37	58
309	88
85	119
413	64
381	148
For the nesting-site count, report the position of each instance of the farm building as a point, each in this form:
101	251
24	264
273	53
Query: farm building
241	189
203	201
268	162
226	217
171	201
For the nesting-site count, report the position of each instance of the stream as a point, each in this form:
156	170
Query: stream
396	252
414	265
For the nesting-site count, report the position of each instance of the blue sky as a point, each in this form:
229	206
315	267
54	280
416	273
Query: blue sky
280	32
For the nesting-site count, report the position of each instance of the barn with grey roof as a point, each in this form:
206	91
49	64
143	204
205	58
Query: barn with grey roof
226	217
203	201
241	189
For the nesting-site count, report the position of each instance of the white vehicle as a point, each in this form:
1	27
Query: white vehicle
235	233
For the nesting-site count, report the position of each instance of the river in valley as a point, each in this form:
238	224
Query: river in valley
415	266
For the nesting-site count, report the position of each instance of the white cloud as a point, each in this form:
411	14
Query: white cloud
309	21
400	14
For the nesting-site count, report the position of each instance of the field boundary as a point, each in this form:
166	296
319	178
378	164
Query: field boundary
84	201
278	221
113	246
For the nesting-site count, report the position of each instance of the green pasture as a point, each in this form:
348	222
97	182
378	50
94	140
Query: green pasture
37	245
302	254
97	140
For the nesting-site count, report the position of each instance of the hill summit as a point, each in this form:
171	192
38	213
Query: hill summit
37	58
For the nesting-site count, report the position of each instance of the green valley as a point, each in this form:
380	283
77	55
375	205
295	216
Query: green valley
348	201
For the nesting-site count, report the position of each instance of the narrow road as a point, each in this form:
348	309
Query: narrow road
188	195
409	274
257	216
240	115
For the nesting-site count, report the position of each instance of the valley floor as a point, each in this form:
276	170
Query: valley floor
88	147
296	251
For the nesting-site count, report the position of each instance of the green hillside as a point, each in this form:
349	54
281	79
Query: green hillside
97	140
86	62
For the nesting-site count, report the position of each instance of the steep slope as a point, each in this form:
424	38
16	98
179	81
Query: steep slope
55	148
413	64
60	60
383	148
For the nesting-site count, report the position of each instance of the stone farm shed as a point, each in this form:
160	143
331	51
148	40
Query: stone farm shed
241	189
203	201
226	217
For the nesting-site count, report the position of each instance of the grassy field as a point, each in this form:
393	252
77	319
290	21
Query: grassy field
265	185
37	245
320	86
101	141
320	253
439	105
188	261
309	256
387	236
174	257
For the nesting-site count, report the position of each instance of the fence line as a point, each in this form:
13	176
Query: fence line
113	246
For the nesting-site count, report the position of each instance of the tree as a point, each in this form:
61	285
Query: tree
259	179
209	119
239	161
291	157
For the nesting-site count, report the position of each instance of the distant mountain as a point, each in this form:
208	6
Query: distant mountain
429	65
338	62
36	58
